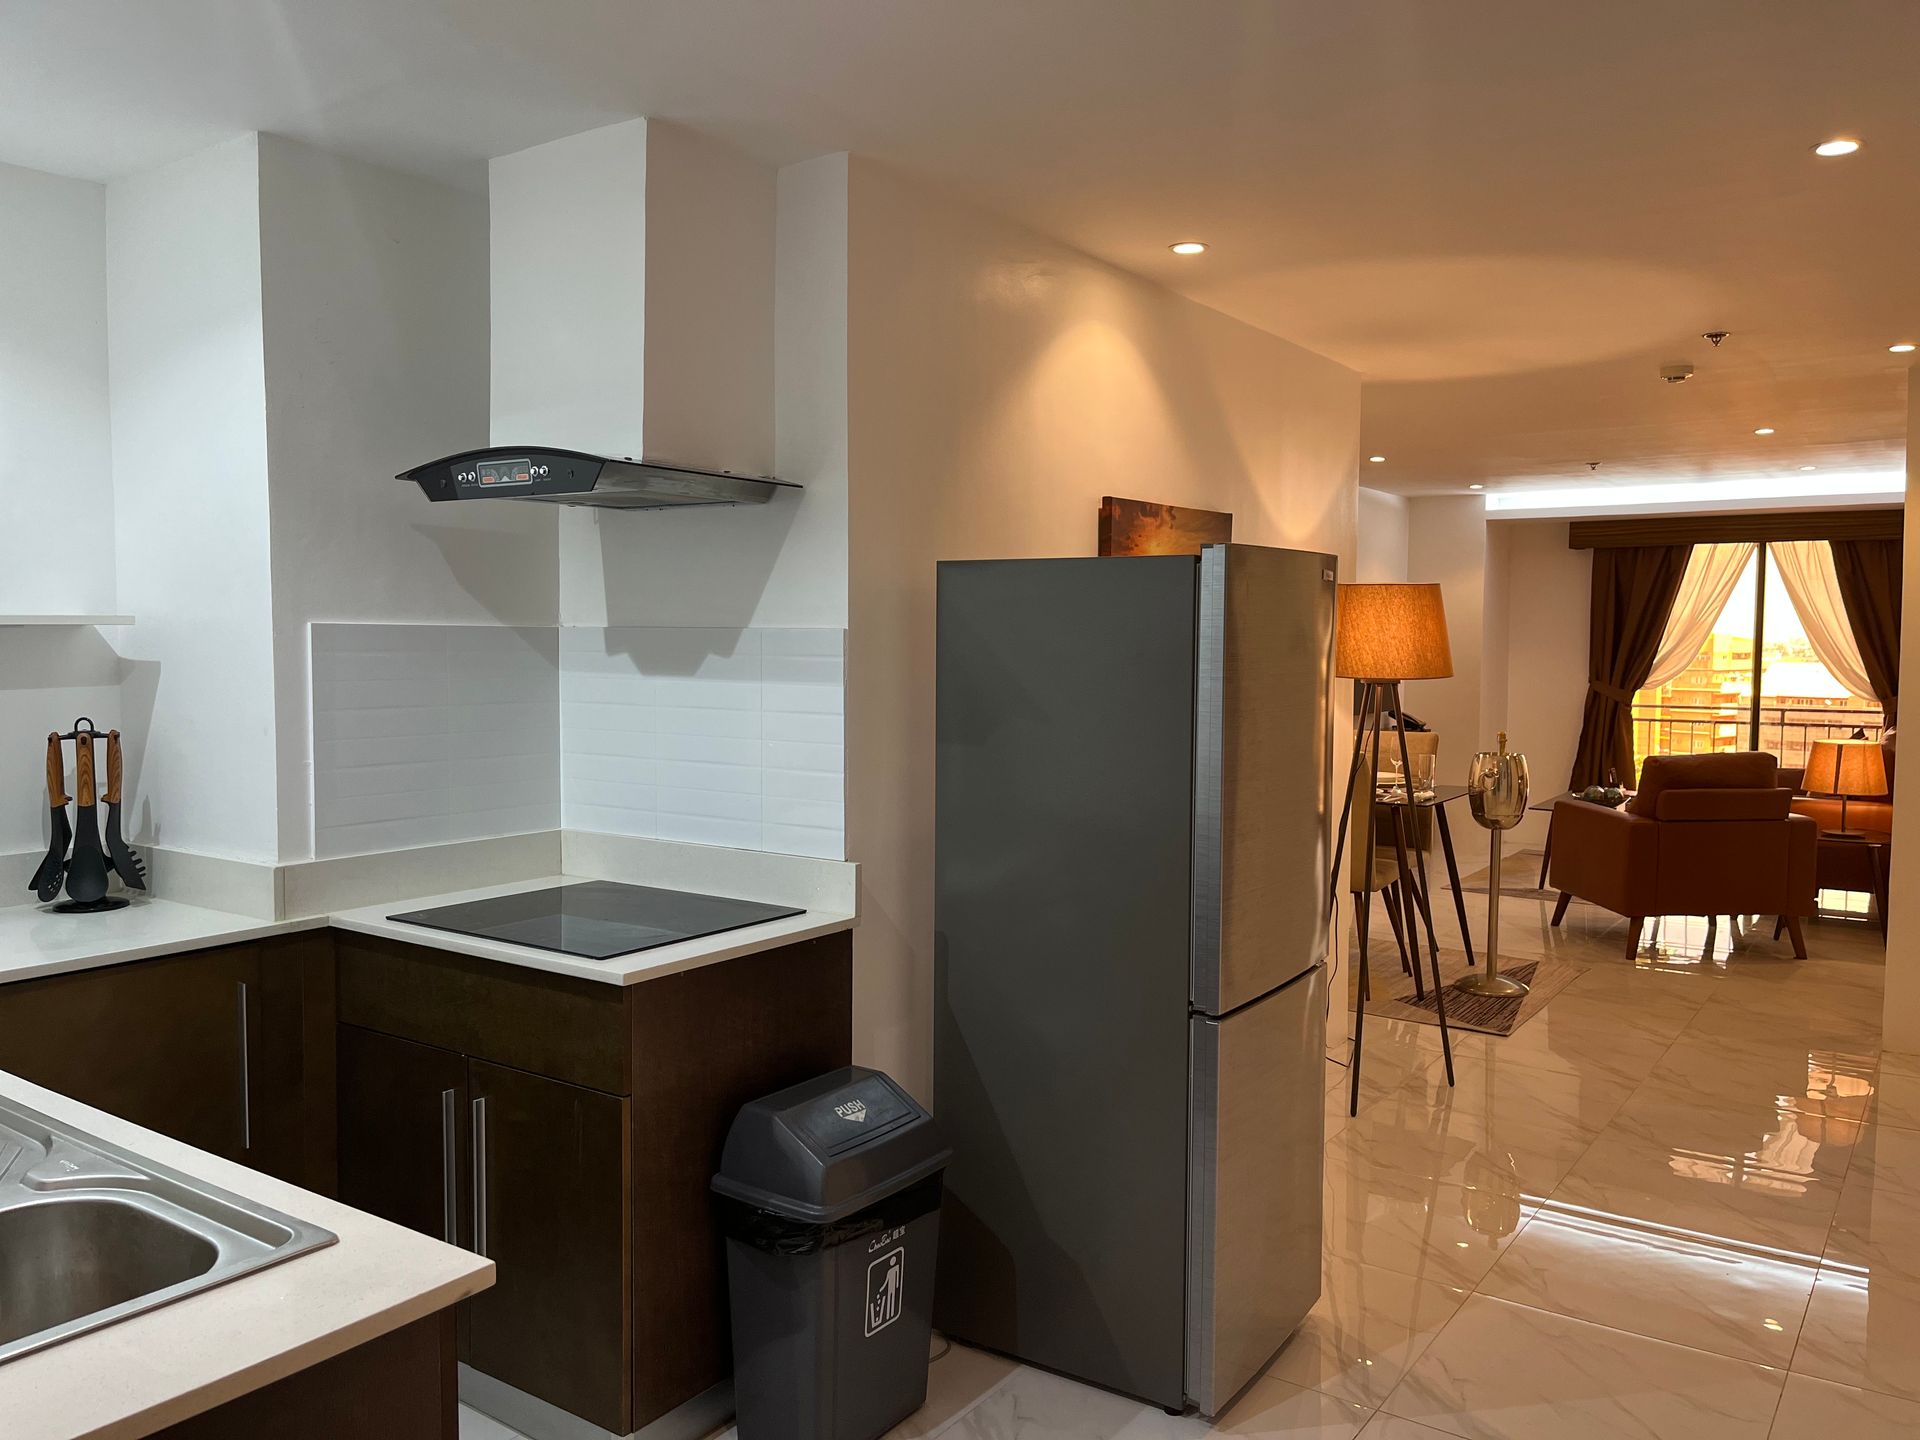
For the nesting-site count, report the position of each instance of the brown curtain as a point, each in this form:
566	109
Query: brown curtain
1634	588
1869	575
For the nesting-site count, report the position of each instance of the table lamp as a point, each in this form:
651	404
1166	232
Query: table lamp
1384	634
1845	768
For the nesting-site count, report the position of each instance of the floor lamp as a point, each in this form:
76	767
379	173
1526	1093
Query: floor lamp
1385	634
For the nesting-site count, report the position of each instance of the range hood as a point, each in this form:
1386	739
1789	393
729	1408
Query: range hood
573	477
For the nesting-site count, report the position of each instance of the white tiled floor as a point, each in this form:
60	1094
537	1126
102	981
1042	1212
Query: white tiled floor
1682	1201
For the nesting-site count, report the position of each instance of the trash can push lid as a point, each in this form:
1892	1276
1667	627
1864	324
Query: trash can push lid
824	1149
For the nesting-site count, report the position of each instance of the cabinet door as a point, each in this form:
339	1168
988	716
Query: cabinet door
162	1043
550	1180
403	1132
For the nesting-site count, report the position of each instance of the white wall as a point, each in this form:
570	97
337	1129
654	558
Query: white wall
57	480
1544	627
192	537
1902	1030
1381	540
56	485
1000	384
375	300
1448	545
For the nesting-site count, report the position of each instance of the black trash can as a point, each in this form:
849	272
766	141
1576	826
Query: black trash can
830	1203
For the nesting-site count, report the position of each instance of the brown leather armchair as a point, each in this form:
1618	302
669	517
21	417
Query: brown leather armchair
1704	835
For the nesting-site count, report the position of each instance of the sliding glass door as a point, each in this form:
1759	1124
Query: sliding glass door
1756	684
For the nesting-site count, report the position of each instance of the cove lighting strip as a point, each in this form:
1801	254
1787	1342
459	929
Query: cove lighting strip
1694	492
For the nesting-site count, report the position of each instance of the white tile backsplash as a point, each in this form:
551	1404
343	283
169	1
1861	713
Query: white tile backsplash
425	734
708	736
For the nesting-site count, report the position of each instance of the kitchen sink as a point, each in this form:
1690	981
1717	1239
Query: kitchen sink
91	1233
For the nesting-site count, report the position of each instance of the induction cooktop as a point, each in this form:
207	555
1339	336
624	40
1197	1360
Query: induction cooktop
596	919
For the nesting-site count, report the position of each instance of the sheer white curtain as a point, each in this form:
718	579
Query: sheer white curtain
1806	569
1712	572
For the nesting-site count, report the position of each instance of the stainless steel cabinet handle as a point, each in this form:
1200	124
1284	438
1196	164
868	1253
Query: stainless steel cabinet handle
246	1079
449	1198
480	1175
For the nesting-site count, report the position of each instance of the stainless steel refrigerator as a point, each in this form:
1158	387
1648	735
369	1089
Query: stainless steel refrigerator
1133	772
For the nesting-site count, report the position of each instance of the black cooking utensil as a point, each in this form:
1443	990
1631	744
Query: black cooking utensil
87	869
124	858
53	870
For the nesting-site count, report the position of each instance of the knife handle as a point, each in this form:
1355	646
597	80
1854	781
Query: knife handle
56	772
83	768
112	797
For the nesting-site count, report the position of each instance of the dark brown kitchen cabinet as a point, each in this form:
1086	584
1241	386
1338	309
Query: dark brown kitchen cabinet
212	1048
403	1132
526	1170
548	1208
594	1116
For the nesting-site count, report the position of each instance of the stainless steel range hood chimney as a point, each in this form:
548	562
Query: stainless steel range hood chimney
573	477
670	267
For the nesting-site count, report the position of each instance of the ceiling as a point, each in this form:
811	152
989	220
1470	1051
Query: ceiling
1506	215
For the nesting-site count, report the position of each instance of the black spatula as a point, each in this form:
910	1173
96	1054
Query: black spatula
87	870
125	860
53	870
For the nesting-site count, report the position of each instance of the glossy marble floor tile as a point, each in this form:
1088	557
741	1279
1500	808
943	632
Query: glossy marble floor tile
1391	1427
1441	1233
1725	1069
1707	1293
1863	1328
1462	1146
1035	1405
1821	1410
1755	1175
1368	1327
1876	1226
1582	1044
1501	1371
1896	1099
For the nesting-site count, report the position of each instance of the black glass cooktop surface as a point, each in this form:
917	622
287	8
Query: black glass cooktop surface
596	919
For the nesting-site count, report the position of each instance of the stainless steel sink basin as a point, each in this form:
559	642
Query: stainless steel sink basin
91	1234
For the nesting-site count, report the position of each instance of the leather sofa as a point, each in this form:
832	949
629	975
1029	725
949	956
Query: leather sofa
1703	835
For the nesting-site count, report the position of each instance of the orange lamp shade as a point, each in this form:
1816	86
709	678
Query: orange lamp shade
1391	632
1845	767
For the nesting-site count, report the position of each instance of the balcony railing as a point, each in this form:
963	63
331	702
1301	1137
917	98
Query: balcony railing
1787	731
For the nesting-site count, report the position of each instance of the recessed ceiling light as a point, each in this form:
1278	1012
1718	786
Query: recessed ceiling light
1839	145
1476	486
1764	430
1376	459
1905	347
1188	247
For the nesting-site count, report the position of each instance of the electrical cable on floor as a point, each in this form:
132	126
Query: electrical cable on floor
941	1353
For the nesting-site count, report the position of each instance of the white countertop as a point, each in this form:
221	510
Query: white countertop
145	1373
619	969
36	940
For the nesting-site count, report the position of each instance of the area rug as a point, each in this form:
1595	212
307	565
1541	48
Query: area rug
1518	872
1393	994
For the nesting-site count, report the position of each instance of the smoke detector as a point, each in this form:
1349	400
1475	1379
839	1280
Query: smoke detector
1675	374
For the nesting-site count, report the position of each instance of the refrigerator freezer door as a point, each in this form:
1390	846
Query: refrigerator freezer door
1253	1268
1262	771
